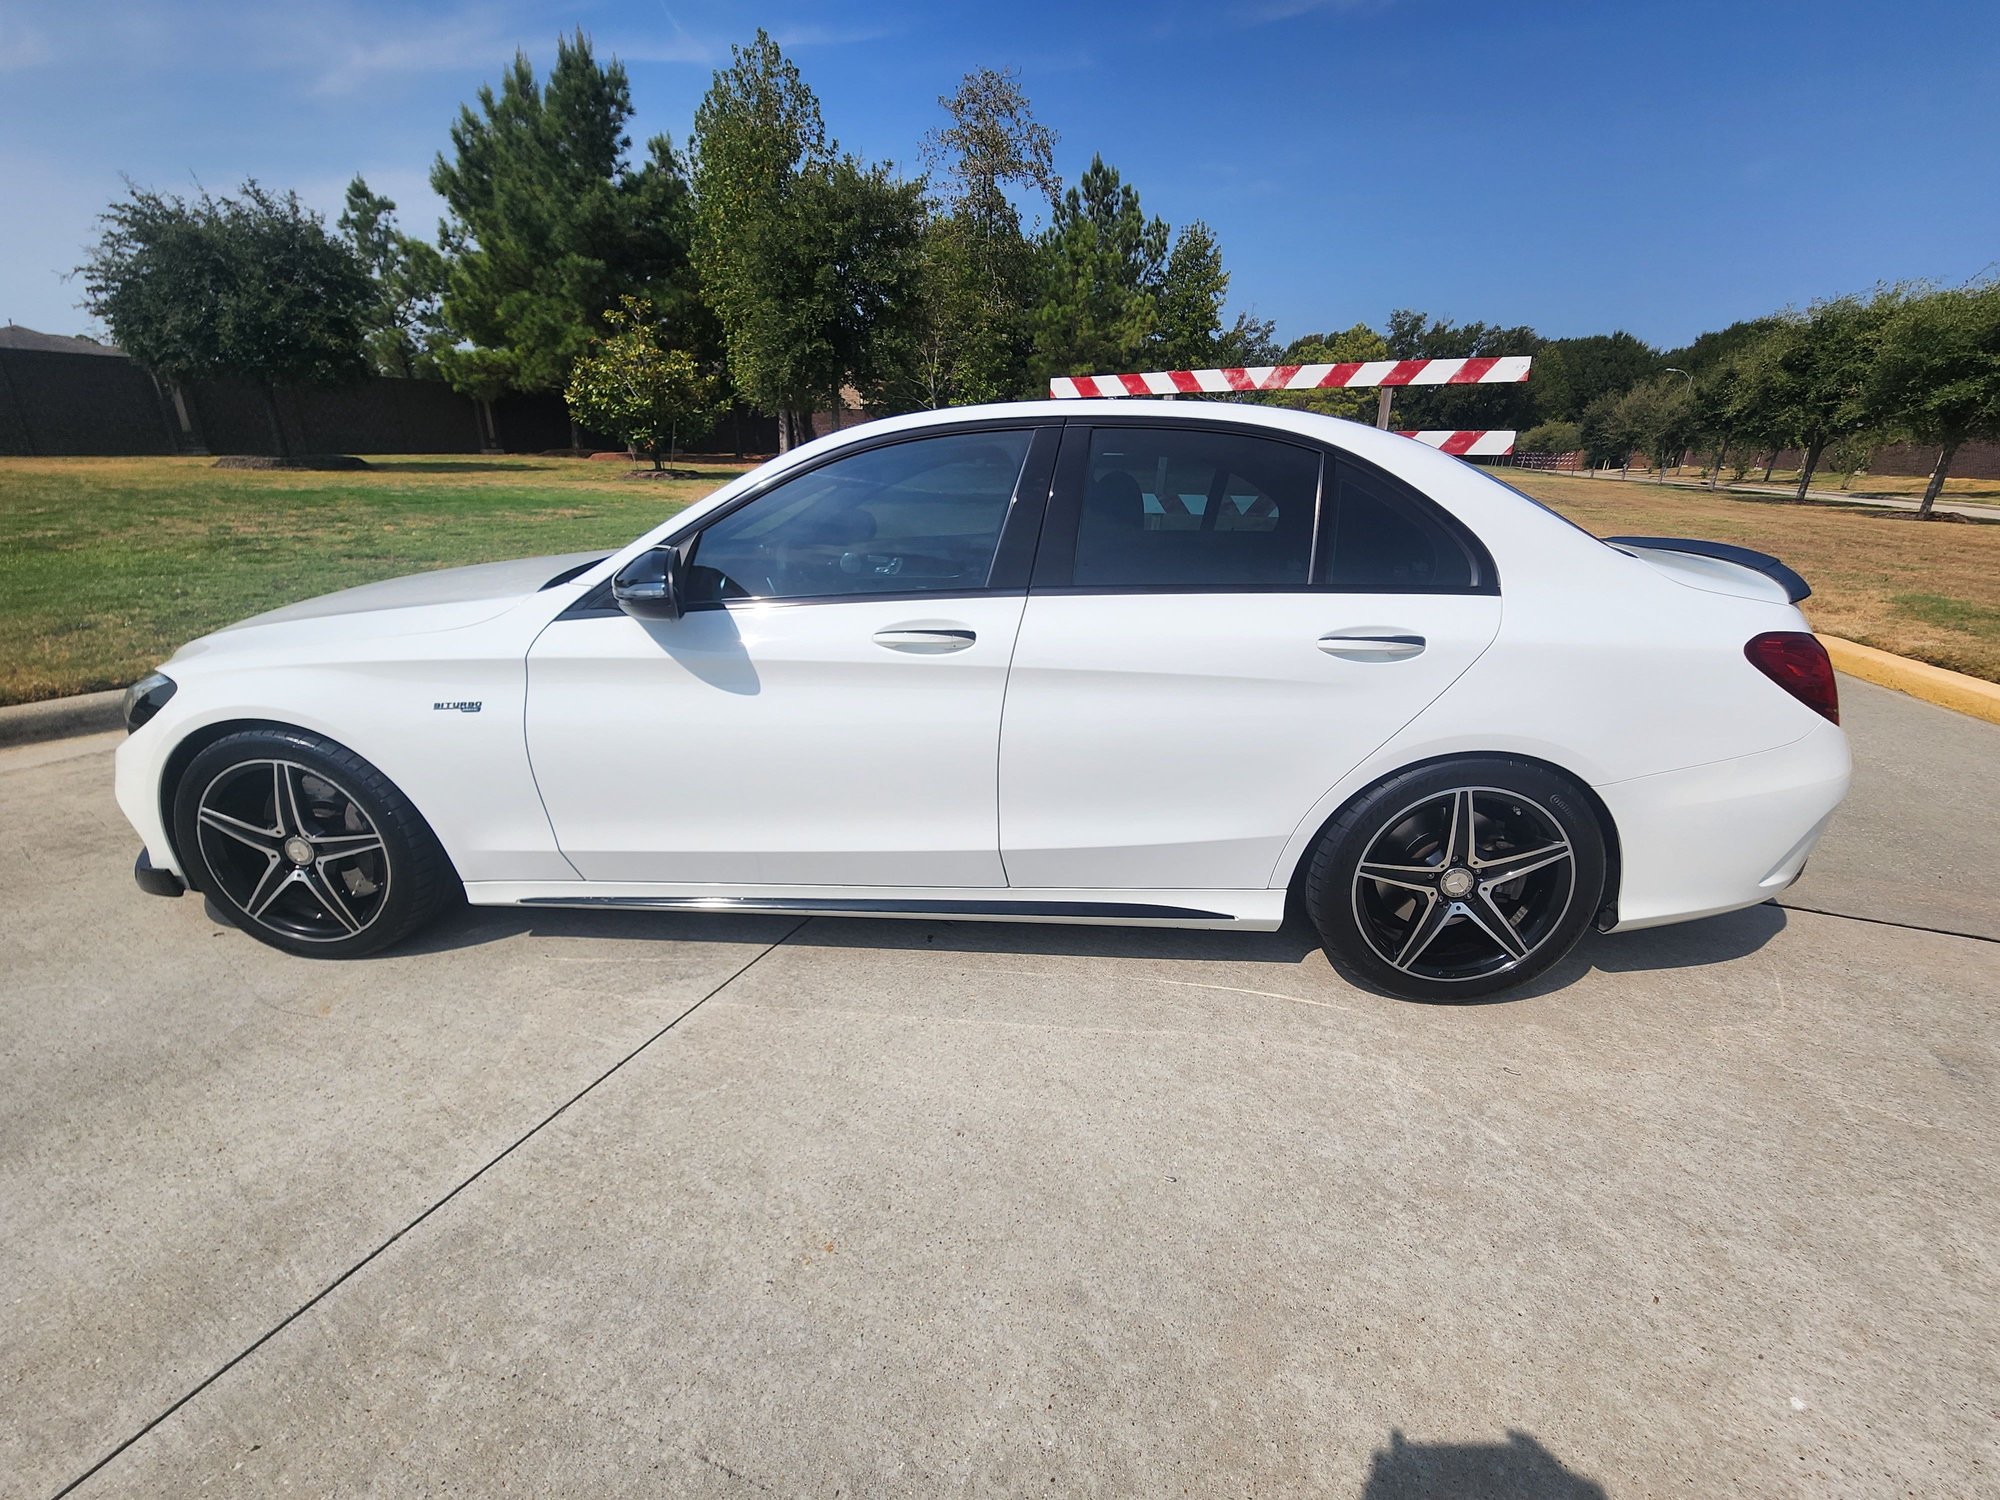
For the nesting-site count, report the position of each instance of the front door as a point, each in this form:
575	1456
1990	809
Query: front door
1208	649
827	712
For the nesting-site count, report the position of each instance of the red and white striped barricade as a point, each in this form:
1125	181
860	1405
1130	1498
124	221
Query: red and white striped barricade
1484	370
1479	443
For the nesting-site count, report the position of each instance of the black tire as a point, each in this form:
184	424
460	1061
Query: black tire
1480	874
306	846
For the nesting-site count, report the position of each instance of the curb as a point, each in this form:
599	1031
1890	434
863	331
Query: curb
1954	690
59	718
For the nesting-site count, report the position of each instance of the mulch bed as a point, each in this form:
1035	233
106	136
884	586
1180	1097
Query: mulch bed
308	461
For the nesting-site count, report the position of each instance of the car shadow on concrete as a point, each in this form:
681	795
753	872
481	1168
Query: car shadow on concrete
1687	945
1518	1469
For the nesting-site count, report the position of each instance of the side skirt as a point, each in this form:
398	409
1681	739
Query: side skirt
1256	911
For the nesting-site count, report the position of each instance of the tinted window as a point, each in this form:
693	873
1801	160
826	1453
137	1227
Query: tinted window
1195	509
1383	539
912	516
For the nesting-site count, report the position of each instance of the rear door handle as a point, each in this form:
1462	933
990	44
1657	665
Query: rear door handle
925	642
1371	647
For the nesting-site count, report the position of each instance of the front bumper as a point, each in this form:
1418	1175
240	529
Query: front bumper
154	881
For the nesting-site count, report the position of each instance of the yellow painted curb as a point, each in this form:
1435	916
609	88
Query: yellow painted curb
1955	690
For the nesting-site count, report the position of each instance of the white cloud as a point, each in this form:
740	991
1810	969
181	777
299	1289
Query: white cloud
341	47
22	45
1288	10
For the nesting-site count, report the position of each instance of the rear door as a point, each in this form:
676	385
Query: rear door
1222	623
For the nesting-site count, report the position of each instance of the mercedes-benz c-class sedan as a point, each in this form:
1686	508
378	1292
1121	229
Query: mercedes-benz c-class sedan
1178	664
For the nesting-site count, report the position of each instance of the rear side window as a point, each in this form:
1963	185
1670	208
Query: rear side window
1194	509
1380	538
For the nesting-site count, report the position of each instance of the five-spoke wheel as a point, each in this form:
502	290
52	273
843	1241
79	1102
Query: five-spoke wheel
293	850
306	845
1458	879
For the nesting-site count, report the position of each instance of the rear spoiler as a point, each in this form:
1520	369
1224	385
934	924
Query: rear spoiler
1795	587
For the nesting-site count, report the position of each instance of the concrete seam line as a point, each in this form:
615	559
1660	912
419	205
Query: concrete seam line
61	718
1848	916
334	1285
1947	689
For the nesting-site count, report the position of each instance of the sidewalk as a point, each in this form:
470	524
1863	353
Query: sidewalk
1971	509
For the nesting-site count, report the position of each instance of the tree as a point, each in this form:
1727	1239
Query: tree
1193	287
1250	340
860	230
810	258
549	224
1660	414
406	324
1102	265
1814	373
1412	335
1359	343
1570	374
251	287
757	133
1610	431
968	337
634	384
992	143
1712	350
1749	400
1558	436
1937	373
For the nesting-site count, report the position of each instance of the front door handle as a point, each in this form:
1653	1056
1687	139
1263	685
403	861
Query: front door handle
926	642
1371	647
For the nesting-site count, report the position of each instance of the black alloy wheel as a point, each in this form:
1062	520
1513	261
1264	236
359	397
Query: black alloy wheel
1459	879
307	846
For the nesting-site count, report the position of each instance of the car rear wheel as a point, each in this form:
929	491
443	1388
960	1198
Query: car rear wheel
1458	880
308	847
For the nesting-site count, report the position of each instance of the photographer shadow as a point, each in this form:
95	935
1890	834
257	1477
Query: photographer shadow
1518	1469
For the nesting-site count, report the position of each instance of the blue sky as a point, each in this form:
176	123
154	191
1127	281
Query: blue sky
1664	168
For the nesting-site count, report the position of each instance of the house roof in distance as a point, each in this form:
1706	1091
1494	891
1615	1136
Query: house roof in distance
14	336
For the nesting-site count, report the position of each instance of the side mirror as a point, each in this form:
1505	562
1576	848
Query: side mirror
649	586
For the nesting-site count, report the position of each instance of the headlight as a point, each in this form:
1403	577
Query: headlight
147	697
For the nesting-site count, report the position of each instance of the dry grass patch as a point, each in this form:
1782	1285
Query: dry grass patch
1930	590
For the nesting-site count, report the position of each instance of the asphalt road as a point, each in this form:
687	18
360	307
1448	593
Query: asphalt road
605	1204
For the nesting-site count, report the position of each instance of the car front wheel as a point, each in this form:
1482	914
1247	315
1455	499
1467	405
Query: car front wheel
1459	879
308	847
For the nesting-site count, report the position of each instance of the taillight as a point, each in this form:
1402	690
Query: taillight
1798	663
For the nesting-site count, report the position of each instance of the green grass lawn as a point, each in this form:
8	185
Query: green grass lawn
107	565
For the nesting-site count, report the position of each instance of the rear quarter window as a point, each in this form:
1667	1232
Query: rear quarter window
1380	536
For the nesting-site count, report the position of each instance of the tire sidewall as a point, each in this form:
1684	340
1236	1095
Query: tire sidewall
416	860
1330	878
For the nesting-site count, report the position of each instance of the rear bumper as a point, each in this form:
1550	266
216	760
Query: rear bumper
1719	837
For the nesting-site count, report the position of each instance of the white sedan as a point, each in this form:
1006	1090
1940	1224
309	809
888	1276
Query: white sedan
1174	664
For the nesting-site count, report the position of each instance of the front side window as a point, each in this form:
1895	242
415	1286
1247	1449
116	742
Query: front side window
909	517
1195	509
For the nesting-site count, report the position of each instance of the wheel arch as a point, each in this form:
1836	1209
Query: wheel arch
181	757
1614	863
197	740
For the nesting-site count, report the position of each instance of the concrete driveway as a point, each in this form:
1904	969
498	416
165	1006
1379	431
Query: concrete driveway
602	1204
